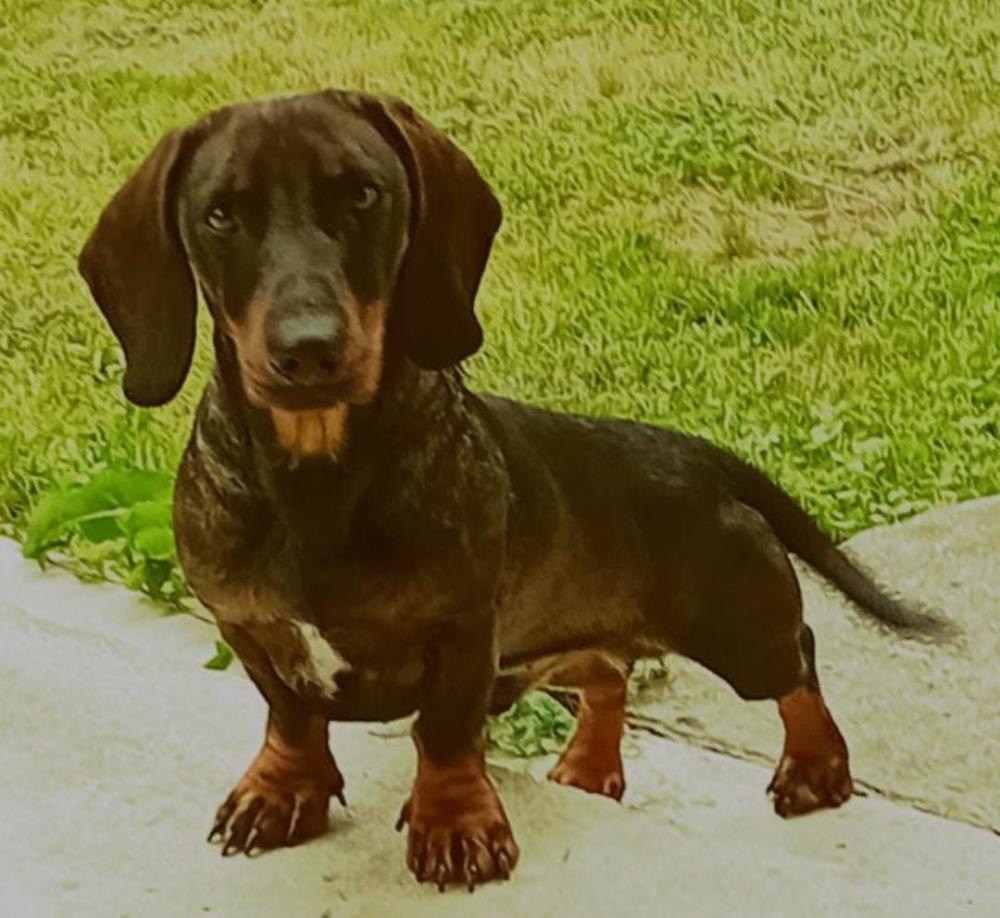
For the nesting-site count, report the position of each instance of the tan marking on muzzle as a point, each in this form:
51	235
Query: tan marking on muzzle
311	433
251	349
372	324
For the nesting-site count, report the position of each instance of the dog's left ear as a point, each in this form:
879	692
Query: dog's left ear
454	217
137	271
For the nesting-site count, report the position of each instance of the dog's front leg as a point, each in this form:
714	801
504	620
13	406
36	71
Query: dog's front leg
458	831
283	797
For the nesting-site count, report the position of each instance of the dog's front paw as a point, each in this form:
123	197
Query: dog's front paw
805	783
458	834
278	802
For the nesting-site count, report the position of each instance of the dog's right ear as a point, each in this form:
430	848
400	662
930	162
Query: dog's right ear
137	271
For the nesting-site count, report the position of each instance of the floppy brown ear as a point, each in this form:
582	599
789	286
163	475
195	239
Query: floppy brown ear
137	271
454	217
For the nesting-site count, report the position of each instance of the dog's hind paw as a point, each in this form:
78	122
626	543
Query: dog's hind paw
802	784
590	774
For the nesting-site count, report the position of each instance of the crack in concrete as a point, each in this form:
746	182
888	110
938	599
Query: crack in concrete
662	729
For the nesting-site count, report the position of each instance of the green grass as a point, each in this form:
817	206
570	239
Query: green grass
774	224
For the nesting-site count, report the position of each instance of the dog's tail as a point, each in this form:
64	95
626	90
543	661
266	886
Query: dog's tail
801	535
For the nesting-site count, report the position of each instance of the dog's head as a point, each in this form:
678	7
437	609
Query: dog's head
317	227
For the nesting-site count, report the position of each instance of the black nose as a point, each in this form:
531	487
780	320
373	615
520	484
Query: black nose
305	348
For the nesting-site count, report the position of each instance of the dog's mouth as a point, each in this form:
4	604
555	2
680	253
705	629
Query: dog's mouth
300	398
270	391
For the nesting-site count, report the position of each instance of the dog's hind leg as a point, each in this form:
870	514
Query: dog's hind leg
592	761
746	626
813	771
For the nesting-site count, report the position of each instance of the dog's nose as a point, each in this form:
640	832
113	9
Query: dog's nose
305	348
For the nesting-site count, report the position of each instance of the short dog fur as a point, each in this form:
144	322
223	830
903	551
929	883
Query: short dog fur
376	540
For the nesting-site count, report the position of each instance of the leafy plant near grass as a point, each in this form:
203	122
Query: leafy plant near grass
114	525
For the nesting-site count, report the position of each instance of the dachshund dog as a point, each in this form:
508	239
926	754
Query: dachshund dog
376	540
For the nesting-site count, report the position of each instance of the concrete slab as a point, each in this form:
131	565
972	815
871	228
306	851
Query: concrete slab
116	746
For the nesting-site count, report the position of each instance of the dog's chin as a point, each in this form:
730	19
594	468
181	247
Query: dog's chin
315	432
309	420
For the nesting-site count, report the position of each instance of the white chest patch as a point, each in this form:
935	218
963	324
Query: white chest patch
320	663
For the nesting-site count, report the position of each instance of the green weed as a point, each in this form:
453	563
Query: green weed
115	525
536	725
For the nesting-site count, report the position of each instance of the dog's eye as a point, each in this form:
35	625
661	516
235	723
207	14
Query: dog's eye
364	196
220	220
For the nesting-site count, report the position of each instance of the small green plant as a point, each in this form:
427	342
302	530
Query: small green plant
223	656
537	724
114	524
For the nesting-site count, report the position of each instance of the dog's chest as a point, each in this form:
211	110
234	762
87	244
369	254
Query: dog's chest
304	659
350	673
341	583
354	642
